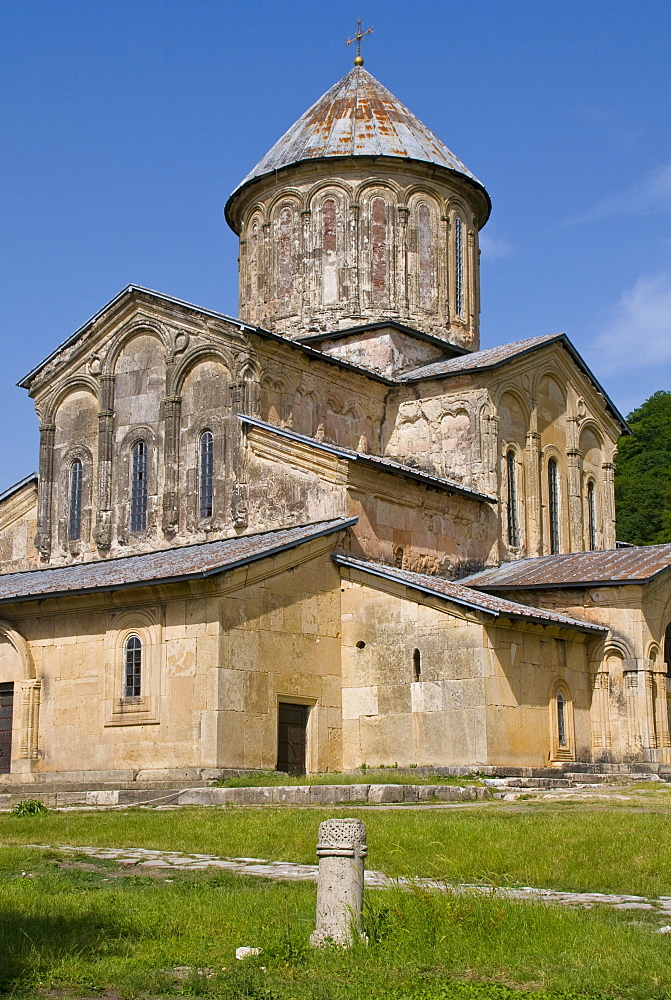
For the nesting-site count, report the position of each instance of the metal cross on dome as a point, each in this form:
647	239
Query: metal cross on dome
358	59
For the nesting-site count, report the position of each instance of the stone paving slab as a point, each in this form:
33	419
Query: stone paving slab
142	857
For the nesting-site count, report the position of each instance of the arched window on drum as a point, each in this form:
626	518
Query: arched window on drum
425	268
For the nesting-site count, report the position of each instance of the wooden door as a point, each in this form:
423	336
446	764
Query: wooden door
6	713
291	738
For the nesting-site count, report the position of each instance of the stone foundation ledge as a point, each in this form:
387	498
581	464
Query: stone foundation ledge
290	795
328	795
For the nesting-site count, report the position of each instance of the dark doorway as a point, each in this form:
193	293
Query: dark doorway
6	713
291	730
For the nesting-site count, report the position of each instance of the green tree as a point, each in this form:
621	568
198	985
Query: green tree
643	474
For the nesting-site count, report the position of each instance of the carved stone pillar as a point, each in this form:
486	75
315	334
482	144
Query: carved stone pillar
30	710
444	270
646	707
534	532
103	529
490	454
632	695
46	478
470	289
574	471
354	276
171	410
341	851
600	714
403	298
308	291
661	715
608	505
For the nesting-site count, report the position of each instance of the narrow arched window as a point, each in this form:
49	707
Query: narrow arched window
138	490
206	474
591	514
513	522
379	250
75	505
133	667
458	266
561	720
553	506
416	664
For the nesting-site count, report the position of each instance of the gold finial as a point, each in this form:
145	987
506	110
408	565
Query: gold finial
358	59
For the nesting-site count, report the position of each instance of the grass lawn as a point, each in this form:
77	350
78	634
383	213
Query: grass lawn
85	929
567	847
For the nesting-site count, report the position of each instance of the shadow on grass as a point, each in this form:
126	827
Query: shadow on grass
33	945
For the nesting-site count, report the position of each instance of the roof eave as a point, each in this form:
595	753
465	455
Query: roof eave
277	171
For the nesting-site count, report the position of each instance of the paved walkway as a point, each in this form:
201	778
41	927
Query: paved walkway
142	858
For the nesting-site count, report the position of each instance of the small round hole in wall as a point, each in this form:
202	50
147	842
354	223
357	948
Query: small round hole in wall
360	644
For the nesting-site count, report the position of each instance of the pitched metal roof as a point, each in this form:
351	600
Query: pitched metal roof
186	562
11	490
459	594
358	117
377	461
605	568
495	357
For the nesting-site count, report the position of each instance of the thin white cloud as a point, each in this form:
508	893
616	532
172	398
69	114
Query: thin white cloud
494	249
638	333
653	193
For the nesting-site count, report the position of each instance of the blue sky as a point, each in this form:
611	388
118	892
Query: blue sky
125	125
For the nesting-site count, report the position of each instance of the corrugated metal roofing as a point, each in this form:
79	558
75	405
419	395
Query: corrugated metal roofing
386	464
608	567
357	117
457	593
168	565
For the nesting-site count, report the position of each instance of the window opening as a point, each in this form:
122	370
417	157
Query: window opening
513	523
591	514
75	511
398	558
285	271
553	503
133	667
459	266
138	499
667	648
416	664
206	477
561	720
6	722
330	246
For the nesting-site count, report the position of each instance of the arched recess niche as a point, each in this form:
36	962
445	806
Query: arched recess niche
75	437
206	405
17	668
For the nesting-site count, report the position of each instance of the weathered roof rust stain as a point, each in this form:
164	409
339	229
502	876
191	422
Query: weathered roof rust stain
608	567
357	117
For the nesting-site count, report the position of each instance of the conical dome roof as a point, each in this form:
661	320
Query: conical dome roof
357	117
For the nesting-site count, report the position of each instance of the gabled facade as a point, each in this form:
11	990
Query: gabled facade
242	546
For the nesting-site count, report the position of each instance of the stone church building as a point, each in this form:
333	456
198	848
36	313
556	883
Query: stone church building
332	531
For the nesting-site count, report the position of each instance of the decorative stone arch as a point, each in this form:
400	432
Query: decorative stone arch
276	389
321	189
286	195
363	189
205	352
30	688
77	383
549	368
136	328
562	731
425	253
